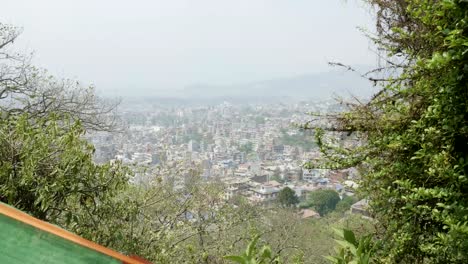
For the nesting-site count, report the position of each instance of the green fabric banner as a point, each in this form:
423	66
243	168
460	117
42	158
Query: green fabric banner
21	243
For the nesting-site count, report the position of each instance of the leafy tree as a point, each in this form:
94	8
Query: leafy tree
302	139
295	240
414	132
246	148
47	170
345	203
287	197
323	201
191	224
277	177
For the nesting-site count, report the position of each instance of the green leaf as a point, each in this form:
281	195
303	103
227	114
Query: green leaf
237	259
250	251
332	259
349	236
266	252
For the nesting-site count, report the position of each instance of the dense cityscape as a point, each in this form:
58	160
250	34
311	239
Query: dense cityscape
255	149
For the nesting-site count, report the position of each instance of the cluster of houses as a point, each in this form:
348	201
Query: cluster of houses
261	189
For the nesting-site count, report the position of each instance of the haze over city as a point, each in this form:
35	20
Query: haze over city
166	48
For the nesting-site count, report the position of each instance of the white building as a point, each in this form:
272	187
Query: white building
265	192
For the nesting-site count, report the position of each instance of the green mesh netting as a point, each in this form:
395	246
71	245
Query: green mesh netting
21	243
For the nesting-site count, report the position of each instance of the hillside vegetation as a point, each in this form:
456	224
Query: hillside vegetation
414	163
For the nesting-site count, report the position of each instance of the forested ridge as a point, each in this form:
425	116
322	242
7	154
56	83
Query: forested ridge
413	162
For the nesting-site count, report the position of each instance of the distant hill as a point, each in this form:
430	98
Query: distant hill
314	86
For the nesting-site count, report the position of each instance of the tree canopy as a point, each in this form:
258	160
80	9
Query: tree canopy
345	203
323	201
47	170
287	197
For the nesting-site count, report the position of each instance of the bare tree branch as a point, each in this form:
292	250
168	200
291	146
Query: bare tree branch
26	89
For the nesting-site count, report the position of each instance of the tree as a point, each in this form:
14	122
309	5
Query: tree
295	240
47	170
414	132
345	203
287	197
27	89
323	201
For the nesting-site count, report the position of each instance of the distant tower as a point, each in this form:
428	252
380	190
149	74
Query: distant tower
193	146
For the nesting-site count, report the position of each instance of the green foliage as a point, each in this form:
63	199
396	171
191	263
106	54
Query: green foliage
414	162
350	250
277	176
345	203
297	240
192	225
287	197
323	201
302	139
253	255
46	170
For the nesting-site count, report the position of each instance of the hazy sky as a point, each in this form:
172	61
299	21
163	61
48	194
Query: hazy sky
167	44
